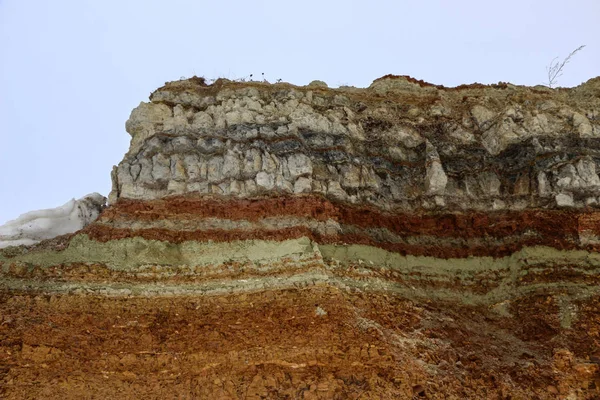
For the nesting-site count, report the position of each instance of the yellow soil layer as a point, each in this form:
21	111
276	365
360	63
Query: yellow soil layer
315	343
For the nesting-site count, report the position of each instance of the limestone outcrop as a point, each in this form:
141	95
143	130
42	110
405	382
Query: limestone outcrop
397	145
404	240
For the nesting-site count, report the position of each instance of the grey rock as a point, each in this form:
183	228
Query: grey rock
214	169
161	167
252	162
435	178
351	176
303	185
583	126
231	165
210	145
193	167
178	171
317	84
182	145
200	187
243	141
489	183
482	116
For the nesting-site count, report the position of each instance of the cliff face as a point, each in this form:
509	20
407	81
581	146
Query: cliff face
425	241
398	145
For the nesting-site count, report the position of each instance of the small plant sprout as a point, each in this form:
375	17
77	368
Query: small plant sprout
555	69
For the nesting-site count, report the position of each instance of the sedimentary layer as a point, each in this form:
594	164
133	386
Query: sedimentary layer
454	231
485	191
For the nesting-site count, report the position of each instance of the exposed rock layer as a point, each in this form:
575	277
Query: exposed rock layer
395	145
453	233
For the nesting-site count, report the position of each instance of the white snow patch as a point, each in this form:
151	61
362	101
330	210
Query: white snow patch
35	226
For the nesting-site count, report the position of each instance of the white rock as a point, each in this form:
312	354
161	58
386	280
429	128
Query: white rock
334	189
253	105
482	116
498	138
544	188
231	165
283	185
143	121
269	163
178	171
319	187
299	165
408	136
130	191
202	122
214	169
250	186
124	173
135	170
350	175
233	118
252	162
265	181
582	175
303	185
304	117
461	135
435	177
179	123
583	126
537	125
236	187
498	204
586	169
35	226
369	178
564	200
176	187
193	167
218	189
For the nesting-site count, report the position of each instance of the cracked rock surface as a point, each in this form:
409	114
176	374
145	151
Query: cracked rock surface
398	144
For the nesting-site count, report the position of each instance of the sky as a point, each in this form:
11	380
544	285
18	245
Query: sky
72	71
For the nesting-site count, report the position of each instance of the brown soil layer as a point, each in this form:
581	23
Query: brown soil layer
316	343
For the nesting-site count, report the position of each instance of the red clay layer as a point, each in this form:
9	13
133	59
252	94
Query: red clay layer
555	228
552	225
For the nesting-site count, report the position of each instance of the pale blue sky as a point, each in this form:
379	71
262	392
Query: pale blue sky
71	71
